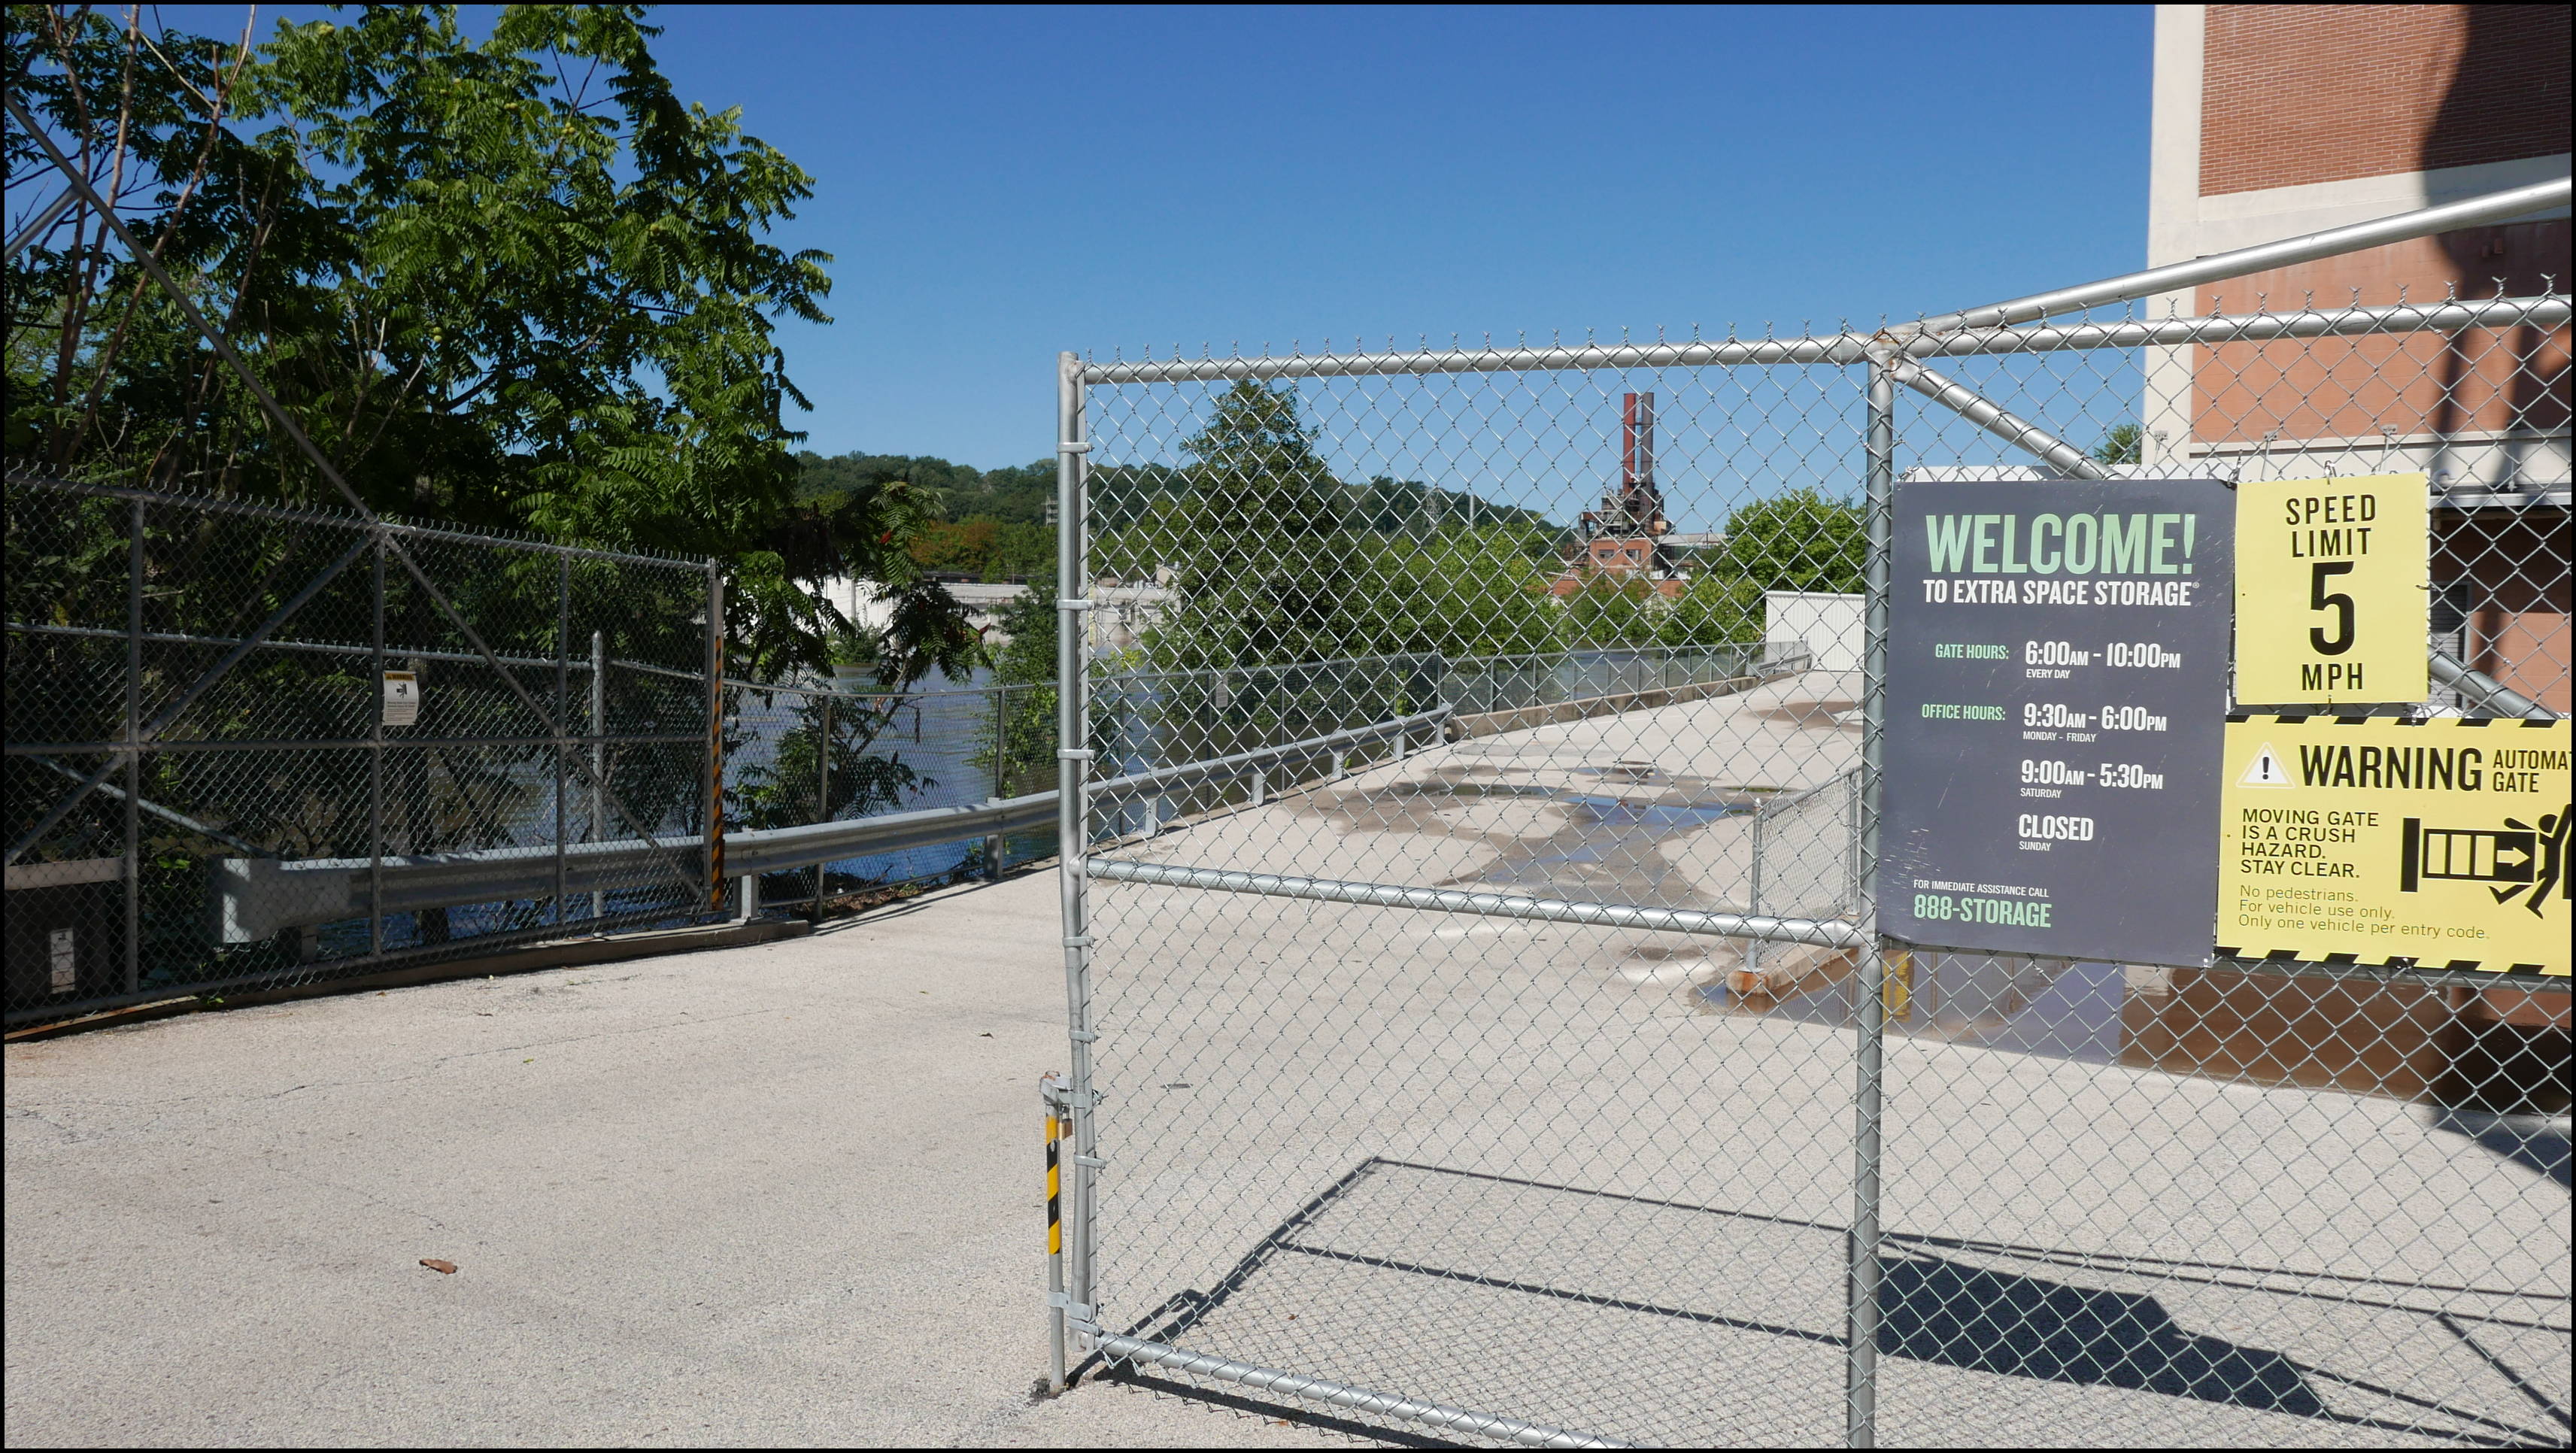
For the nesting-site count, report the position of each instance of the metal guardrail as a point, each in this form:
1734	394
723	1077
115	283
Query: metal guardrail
250	899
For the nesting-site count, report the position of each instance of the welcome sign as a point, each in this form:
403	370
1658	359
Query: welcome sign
2056	693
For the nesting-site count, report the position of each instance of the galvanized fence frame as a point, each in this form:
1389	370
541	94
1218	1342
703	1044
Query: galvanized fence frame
1891	362
187	707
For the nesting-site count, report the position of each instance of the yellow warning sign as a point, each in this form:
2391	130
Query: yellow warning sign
2437	844
2333	590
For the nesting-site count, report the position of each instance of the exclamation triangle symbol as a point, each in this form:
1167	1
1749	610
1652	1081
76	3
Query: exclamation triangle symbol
2266	770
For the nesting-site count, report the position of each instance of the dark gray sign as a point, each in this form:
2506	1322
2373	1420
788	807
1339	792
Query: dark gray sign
2056	709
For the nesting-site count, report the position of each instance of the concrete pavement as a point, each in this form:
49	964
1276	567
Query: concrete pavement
789	1193
785	1194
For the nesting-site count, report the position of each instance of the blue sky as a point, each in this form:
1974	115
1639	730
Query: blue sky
999	184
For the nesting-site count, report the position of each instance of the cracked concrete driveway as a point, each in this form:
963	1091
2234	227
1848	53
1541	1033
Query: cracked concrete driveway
782	1194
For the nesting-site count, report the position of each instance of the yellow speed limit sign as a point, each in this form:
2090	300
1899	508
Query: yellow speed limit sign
2333	590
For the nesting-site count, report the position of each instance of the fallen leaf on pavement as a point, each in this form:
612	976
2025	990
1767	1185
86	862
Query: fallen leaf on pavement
443	1268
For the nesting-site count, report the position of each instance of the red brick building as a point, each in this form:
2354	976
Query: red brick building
2276	120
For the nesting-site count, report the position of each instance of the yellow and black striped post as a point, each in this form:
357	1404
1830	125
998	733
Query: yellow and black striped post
1055	1211
1051	1089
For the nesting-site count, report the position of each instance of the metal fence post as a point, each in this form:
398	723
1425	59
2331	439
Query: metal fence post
1753	902
1073	817
993	845
1862	1315
822	801
714	821
376	769
134	753
563	713
598	758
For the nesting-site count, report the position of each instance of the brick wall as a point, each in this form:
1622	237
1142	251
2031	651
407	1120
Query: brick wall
2293	94
2474	382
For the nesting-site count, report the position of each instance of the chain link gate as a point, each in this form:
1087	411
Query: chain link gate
1538	1075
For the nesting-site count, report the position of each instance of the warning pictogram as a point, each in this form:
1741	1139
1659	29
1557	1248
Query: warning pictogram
2523	857
2267	770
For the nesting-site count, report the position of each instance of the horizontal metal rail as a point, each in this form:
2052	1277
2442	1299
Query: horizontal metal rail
774	850
256	898
2450	316
1842	348
342	744
1828	932
2468	212
1163	779
347	520
1341	1395
1925	336
328	648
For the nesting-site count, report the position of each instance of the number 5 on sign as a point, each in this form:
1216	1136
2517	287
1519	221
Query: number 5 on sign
2333	591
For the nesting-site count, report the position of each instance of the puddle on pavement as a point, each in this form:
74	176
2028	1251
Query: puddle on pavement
2500	1050
1605	848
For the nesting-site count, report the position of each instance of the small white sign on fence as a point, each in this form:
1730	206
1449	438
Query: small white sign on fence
402	698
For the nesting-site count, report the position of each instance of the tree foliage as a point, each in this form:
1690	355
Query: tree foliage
2120	446
514	282
1799	539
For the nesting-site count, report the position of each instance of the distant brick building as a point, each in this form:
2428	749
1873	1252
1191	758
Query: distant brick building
2272	121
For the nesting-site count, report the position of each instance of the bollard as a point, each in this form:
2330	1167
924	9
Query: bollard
1051	1094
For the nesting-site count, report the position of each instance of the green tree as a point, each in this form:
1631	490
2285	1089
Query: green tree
1715	610
2120	446
1613	611
1021	752
1799	539
1258	477
1256	537
1463	593
516	282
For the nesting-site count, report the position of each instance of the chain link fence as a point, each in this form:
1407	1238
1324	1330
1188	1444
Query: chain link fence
1548	1082
888	752
248	749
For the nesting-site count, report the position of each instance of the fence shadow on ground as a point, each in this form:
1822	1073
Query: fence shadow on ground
1362	1242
